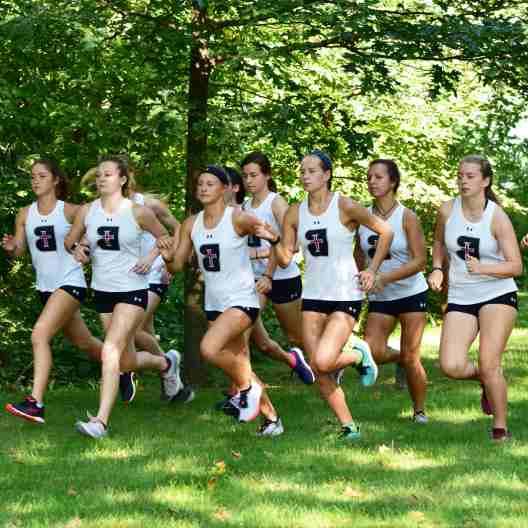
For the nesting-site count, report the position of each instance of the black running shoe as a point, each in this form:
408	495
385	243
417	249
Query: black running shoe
185	395
231	410
127	386
27	409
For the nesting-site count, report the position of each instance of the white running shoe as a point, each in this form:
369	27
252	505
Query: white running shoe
93	428
172	382
271	428
248	402
420	418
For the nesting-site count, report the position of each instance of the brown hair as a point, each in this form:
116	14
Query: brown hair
486	171
392	170
265	166
62	187
123	166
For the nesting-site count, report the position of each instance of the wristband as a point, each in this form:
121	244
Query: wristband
437	268
268	276
275	242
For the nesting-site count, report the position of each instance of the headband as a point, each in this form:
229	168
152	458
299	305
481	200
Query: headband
218	172
327	162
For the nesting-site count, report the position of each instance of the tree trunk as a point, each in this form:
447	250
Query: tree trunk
194	318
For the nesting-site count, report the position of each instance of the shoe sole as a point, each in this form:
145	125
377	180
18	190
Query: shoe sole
189	398
300	357
13	411
257	410
81	429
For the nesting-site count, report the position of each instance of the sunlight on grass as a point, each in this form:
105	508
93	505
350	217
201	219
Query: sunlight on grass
169	467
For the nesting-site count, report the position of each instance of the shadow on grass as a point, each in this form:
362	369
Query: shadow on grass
187	466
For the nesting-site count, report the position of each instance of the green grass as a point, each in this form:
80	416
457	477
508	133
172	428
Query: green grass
173	466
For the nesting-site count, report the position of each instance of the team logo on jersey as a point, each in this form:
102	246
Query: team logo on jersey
46	238
211	257
109	238
317	242
372	241
469	247
254	241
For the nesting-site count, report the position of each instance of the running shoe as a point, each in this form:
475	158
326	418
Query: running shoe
485	404
27	409
301	366
400	377
219	405
367	368
93	428
171	377
127	386
247	401
230	409
271	428
350	432
338	376
500	435
185	395
420	417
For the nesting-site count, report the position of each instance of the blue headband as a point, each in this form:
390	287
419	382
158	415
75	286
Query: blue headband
218	172
327	162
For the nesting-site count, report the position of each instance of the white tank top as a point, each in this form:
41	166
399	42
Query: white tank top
328	249
45	235
264	212
115	247
397	257
475	239
148	241
223	256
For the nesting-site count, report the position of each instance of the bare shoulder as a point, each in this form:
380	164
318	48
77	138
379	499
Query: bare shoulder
410	217
444	211
188	223
347	204
23	214
500	217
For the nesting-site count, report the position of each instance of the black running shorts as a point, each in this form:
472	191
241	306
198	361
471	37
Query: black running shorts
413	303
105	302
352	308
509	299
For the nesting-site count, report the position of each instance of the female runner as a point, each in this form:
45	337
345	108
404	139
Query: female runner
219	237
41	228
113	226
478	238
282	286
400	289
324	224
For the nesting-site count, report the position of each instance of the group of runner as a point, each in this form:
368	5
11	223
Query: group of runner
245	249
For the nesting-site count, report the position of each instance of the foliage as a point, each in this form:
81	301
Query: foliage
177	83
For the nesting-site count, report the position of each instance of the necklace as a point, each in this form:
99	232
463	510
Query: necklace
385	214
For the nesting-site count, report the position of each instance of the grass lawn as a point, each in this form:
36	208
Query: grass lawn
173	466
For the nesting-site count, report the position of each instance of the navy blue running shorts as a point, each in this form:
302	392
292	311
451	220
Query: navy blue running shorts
77	292
105	302
250	311
413	303
352	308
285	290
509	299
